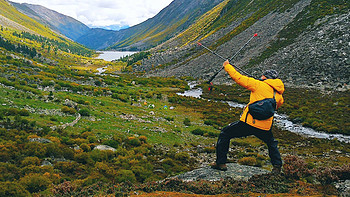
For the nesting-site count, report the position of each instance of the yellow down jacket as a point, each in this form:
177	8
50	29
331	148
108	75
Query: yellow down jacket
259	90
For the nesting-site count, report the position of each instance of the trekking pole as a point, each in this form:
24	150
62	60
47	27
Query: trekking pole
255	35
213	77
213	52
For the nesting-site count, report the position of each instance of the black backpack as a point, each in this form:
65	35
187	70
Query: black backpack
263	109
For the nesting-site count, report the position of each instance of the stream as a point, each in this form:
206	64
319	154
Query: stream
281	120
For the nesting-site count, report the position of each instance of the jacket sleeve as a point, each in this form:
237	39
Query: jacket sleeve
244	81
280	102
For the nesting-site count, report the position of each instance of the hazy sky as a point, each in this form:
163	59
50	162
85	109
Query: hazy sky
97	13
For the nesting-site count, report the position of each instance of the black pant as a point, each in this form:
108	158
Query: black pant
242	129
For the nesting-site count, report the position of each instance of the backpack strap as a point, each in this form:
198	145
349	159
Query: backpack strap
274	97
246	116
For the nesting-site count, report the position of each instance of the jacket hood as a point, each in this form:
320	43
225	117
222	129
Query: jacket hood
276	84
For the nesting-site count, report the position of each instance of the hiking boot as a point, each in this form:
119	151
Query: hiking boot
276	170
221	167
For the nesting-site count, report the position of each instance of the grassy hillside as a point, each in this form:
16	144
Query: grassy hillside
151	141
201	26
7	10
47	43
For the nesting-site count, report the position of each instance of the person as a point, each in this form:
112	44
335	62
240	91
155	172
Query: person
247	125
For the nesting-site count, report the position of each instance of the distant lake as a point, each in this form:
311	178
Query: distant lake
113	55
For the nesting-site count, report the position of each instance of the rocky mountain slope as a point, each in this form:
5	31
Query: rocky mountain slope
63	24
305	40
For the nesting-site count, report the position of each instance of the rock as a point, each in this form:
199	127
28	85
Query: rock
159	129
343	188
40	140
235	171
76	147
104	147
46	163
161	171
133	117
70	103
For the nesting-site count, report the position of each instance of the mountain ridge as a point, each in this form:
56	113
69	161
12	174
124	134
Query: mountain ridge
61	23
171	20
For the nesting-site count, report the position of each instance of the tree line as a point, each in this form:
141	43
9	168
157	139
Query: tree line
62	45
23	49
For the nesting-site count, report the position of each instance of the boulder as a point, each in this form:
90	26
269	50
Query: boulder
234	171
40	140
104	147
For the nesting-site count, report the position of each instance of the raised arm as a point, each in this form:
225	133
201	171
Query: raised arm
247	82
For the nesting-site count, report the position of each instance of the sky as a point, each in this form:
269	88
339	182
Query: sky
103	13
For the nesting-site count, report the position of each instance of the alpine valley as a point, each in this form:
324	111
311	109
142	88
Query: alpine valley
68	129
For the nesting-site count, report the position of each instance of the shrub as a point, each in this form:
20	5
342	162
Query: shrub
210	149
182	156
83	158
84	112
98	155
112	143
122	97
53	150
187	122
85	147
35	149
250	161
142	173
13	189
143	139
35	182
133	141
198	132
81	101
98	83
212	134
295	167
31	161
169	118
330	175
24	112
67	166
105	169
68	110
53	119
125	176
12	112
92	139
209	122
64	189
